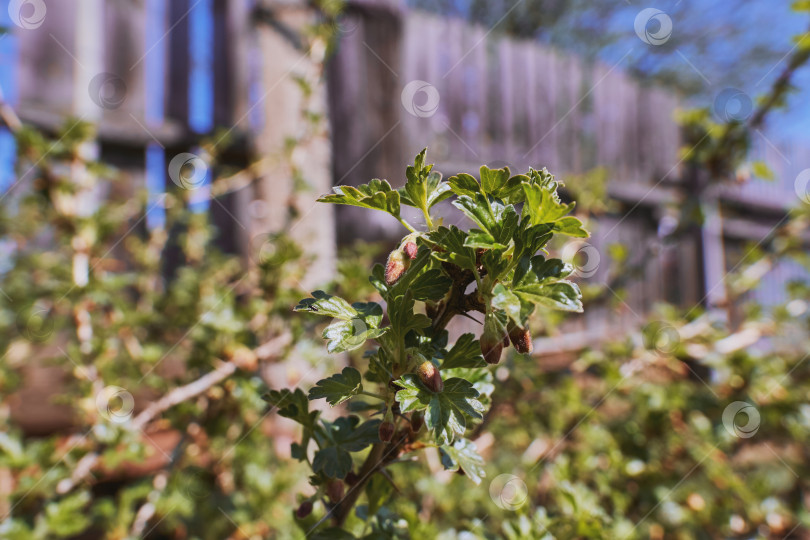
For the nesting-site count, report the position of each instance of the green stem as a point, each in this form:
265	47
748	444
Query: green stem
428	221
406	224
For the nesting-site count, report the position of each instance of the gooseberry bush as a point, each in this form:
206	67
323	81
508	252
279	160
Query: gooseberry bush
417	390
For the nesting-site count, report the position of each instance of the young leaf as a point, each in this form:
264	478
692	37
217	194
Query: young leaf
463	454
543	204
376	195
344	336
342	437
325	304
338	388
571	226
464	184
423	188
446	411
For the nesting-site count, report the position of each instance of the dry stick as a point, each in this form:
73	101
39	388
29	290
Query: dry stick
175	397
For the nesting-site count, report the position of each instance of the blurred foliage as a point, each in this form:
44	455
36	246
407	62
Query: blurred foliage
631	439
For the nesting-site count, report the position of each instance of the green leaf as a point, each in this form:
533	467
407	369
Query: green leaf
325	304
571	226
344	336
292	405
464	454
501	185
423	188
505	300
378	490
801	5
543	204
466	353
339	387
761	170
464	184
451	241
342	437
482	240
356	323
376	195
492	216
446	411
402	317
562	295
431	285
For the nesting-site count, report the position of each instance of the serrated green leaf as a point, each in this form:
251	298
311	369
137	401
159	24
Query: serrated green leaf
402	317
464	184
431	285
464	454
341	437
562	295
446	411
478	239
571	226
376	195
325	304
466	353
339	387
543	204
292	405
451	241
423	188
344	336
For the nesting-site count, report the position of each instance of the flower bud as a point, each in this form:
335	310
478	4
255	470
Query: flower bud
430	376
521	338
334	489
410	249
432	309
505	341
351	478
417	421
304	510
491	348
492	340
398	262
386	431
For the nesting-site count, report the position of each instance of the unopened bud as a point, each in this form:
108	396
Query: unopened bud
304	510
386	431
398	262
521	338
351	478
505	341
417	421
334	490
491	348
430	376
432	310
410	249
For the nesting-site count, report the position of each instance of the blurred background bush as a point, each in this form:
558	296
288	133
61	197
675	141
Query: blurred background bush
159	164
